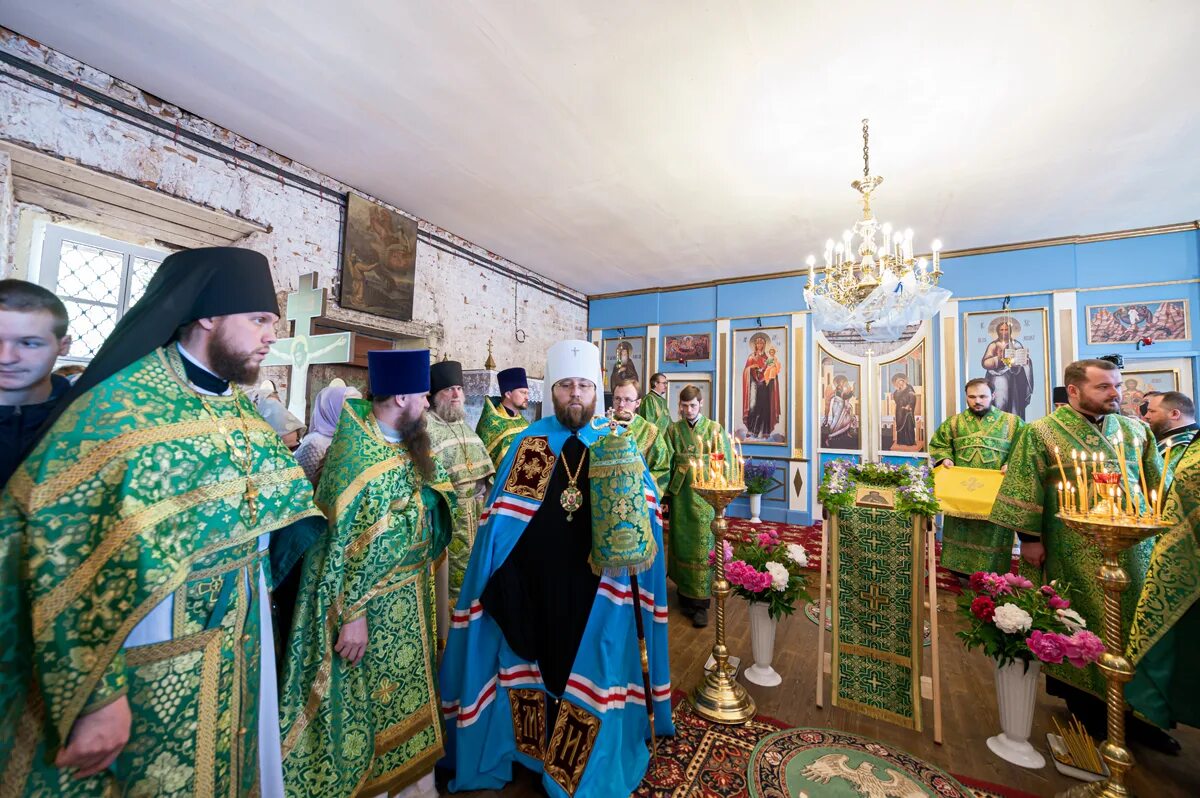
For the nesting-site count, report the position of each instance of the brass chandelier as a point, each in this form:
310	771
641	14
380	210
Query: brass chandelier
876	288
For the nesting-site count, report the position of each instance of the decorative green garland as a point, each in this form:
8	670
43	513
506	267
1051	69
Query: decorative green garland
913	483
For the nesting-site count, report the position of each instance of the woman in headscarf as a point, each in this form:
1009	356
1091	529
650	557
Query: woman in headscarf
285	424
327	408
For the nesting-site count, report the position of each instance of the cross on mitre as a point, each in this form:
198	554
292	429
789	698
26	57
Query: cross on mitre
304	349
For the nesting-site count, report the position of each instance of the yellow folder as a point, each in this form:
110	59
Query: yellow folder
966	492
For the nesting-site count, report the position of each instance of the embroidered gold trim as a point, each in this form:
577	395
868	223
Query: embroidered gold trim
347	496
366	538
105	653
528	708
401	732
405	775
531	469
570	747
885	656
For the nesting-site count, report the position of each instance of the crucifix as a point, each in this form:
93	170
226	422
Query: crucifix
304	349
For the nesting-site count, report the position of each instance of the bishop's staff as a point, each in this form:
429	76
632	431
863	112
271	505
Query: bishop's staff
622	537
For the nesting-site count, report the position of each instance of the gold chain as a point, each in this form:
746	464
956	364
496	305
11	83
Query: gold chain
573	478
244	460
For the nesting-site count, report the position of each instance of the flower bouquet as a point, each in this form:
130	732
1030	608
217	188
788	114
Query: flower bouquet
913	483
759	477
1021	626
770	575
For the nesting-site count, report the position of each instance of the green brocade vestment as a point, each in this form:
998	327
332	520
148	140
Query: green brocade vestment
1028	503
975	544
653	447
690	528
497	429
465	459
132	509
1164	642
654	409
376	726
1172	448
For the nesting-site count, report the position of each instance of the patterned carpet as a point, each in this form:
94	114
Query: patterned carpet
708	760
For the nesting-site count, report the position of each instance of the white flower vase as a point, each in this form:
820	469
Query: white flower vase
1016	689
762	643
755	508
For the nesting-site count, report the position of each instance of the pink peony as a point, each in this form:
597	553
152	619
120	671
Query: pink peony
976	581
712	554
1082	648
1047	590
995	585
765	540
1058	603
1016	580
1047	646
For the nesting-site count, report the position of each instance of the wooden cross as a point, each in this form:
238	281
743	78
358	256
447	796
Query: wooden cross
873	597
304	349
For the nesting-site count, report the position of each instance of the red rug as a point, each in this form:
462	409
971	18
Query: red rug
709	760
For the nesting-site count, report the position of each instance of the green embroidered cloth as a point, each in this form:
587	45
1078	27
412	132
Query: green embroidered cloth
497	429
1164	640
654	409
130	500
653	447
1028	503
975	544
466	460
1173	447
375	727
877	575
691	537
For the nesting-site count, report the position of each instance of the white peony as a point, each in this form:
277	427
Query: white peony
797	554
1072	619
779	575
1012	619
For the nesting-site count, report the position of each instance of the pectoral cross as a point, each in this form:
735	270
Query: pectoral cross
304	349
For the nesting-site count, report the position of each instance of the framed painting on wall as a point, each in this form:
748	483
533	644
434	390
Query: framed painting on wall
677	382
1158	320
682	348
840	413
760	395
624	359
1136	384
379	260
1010	349
903	425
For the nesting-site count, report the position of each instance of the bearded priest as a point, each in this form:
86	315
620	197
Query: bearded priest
542	668
359	709
142	659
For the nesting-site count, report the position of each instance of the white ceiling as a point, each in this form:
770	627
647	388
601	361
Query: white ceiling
627	144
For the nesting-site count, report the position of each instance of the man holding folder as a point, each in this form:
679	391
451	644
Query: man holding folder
978	438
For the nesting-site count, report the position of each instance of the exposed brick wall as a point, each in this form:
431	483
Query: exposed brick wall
459	303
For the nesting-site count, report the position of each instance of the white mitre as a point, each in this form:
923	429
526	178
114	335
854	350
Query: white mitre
577	359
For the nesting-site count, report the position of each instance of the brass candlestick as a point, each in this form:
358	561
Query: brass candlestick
718	697
1112	535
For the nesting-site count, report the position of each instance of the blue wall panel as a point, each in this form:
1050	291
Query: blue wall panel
623	311
1003	272
694	304
1148	259
781	295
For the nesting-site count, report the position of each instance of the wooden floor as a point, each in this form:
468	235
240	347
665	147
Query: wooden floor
968	707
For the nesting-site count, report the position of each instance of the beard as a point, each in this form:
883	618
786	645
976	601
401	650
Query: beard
574	416
448	411
230	364
980	413
1098	409
420	447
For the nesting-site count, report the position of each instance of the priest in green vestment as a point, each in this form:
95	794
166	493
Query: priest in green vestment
502	421
650	442
359	710
1028	504
464	457
1172	418
654	407
690	531
979	437
145	517
1164	641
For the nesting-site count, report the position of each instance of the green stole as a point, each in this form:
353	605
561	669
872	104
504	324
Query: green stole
969	544
1177	444
464	457
654	409
132	498
691	537
1164	641
497	429
374	727
653	448
1028	503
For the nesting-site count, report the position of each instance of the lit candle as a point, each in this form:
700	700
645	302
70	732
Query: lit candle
908	252
1154	504
812	270
847	241
887	238
1061	507
1124	471
1061	472
828	253
937	253
1072	500
1112	504
1162	478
